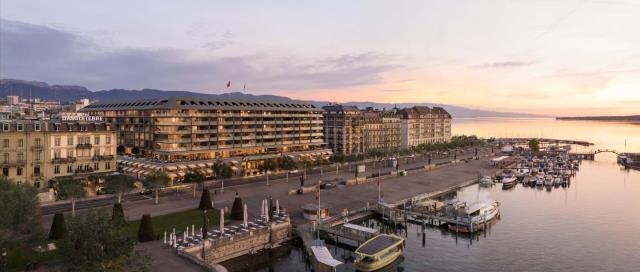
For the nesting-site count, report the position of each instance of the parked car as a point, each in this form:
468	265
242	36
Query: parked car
146	192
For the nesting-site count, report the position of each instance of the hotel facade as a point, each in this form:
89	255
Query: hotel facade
202	129
349	130
39	152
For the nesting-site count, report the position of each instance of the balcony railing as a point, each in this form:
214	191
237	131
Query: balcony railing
81	171
84	146
102	158
36	148
13	163
63	160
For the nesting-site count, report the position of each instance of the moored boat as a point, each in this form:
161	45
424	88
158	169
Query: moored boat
378	252
509	182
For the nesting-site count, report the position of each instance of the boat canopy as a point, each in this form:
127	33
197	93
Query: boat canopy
477	206
360	228
378	244
322	254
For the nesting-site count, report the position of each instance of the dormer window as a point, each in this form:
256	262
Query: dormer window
36	126
20	127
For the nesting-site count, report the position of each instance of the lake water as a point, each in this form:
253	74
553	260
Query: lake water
592	225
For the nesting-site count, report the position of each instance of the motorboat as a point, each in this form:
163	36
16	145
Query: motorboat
548	180
481	212
509	182
540	180
522	172
378	252
486	181
557	180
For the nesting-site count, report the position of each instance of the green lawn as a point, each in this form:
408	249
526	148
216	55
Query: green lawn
179	221
20	256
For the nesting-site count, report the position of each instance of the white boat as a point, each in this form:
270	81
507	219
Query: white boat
522	172
481	212
548	180
508	182
378	252
486	181
540	180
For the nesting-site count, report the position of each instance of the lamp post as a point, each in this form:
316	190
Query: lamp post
204	232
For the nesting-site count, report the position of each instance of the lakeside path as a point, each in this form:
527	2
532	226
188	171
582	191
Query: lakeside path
341	197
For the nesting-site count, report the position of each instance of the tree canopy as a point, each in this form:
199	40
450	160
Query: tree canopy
119	184
93	243
20	212
534	145
70	189
156	180
222	169
194	177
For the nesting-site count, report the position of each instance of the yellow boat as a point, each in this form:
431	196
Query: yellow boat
378	252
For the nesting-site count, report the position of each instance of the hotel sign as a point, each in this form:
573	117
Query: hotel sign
78	117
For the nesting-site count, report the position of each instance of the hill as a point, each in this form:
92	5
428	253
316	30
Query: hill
42	90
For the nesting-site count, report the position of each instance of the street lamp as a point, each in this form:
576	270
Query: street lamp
204	232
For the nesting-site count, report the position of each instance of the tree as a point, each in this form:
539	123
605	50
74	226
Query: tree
194	177
120	150
156	181
287	163
119	184
237	210
534	145
222	171
94	243
117	216
70	189
19	213
58	227
135	150
205	200
145	232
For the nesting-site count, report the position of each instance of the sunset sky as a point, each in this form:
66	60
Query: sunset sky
546	56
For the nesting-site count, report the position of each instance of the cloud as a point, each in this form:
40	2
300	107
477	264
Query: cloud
44	53
504	64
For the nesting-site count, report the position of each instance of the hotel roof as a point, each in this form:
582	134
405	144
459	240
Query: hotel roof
199	102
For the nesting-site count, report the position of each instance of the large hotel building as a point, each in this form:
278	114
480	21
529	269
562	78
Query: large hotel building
201	128
41	151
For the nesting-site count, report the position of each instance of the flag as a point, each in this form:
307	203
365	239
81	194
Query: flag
228	84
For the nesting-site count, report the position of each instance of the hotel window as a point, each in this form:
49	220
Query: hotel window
69	140
5	143
5	126
56	154
56	169
70	168
108	139
20	142
36	142
20	127
107	165
96	166
36	126
97	139
36	184
56	141
36	171
19	171
20	156
5	171
69	153
38	155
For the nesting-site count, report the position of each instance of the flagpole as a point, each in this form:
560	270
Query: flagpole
319	210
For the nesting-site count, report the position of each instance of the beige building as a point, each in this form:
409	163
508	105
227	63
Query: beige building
381	130
424	125
39	151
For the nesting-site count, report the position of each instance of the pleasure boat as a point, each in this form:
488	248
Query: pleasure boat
509	182
486	181
522	172
378	252
548	180
481	212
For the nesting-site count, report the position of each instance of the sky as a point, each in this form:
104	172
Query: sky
558	57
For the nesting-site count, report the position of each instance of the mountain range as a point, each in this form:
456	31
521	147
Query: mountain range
65	93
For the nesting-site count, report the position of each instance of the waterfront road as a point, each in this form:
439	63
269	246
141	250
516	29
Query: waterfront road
327	172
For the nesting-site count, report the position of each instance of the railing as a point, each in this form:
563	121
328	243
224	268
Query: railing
80	171
63	160
13	163
102	158
84	146
36	148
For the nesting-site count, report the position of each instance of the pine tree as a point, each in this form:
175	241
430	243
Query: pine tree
58	227
205	200
237	210
145	232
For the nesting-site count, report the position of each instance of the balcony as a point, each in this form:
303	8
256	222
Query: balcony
84	146
82	171
36	175
63	160
13	163
102	158
36	148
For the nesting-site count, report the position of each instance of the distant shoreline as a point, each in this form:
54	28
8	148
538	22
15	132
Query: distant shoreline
629	118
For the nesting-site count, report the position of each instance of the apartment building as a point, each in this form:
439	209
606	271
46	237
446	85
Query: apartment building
381	130
40	151
424	125
344	129
201	128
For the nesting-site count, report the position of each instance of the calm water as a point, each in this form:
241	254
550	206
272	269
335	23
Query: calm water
593	225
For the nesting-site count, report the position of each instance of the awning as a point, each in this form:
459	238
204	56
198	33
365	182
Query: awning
137	170
202	165
209	164
171	168
192	166
144	172
126	169
172	175
209	171
157	167
234	168
181	174
182	167
234	161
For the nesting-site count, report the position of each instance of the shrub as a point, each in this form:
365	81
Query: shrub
117	217
237	210
145	232
205	200
58	227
